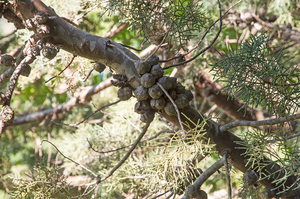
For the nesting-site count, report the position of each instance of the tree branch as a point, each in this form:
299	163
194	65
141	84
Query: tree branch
259	123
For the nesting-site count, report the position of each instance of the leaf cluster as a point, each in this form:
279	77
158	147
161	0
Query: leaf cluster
180	19
258	77
284	152
43	182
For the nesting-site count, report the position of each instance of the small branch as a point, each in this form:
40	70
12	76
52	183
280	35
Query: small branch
160	194
161	43
14	78
133	125
202	51
259	123
70	158
84	94
127	154
204	176
113	150
87	12
8	34
170	195
1	127
62	70
142	46
89	74
113	31
7	74
107	105
227	176
176	108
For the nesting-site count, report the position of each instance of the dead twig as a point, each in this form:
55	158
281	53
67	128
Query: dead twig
127	154
62	70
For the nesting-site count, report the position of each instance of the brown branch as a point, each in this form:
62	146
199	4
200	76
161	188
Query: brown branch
7	74
81	96
235	108
115	30
120	148
96	48
88	170
14	78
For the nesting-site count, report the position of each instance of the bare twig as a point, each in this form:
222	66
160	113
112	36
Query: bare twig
8	34
142	46
113	150
62	70
70	158
87	12
89	74
116	30
127	154
259	123
204	176
176	108
161	43
77	124
107	105
134	126
227	176
160	194
170	195
49	151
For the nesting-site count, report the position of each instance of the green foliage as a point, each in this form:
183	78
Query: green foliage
259	77
43	182
182	19
282	151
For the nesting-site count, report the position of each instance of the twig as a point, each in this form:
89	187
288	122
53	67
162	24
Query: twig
62	70
259	123
227	176
191	50
202	51
204	176
176	108
49	151
107	105
142	46
1	127
84	194
113	150
160	194
9	34
134	61
162	41
89	74
77	124
134	126
88	11
14	78
69	158
170	195
127	154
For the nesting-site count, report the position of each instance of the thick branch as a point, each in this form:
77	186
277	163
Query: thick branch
96	48
81	96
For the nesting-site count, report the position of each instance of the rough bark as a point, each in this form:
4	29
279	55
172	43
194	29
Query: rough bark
96	48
